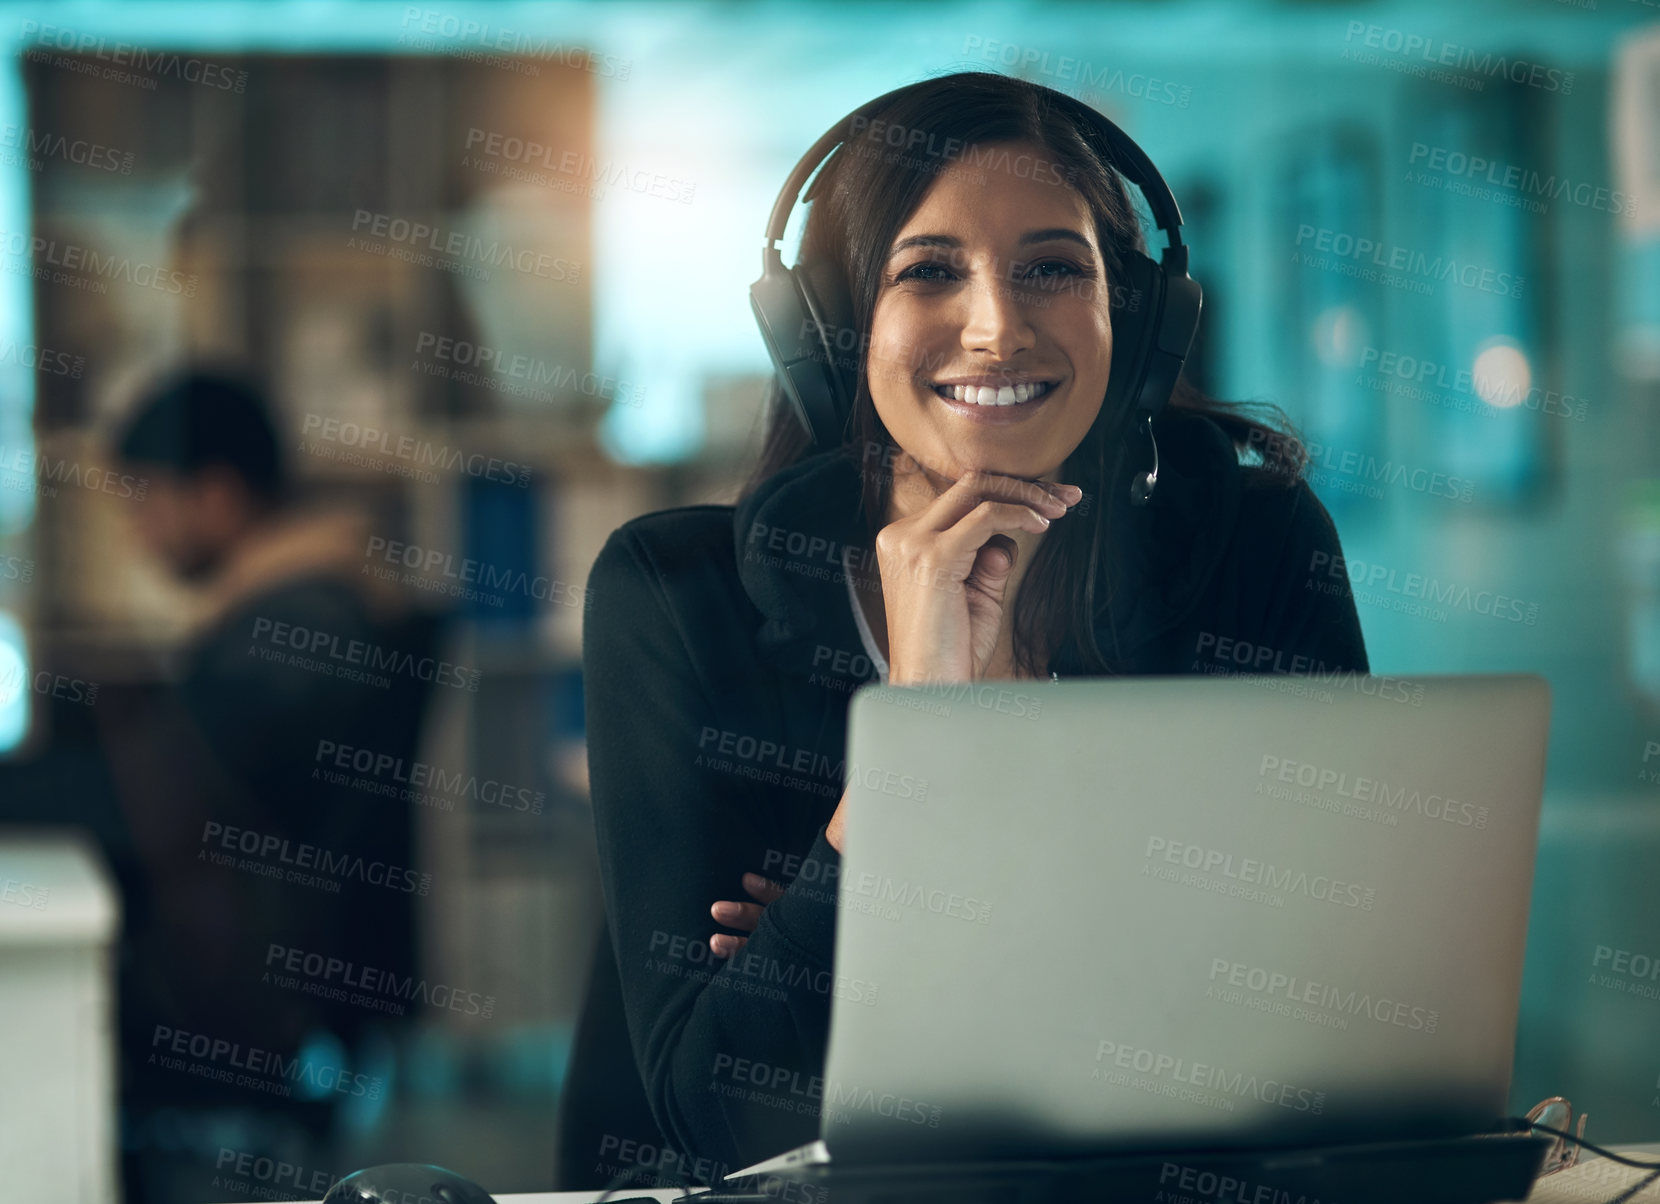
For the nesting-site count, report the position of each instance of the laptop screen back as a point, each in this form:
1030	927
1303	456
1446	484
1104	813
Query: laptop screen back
1174	912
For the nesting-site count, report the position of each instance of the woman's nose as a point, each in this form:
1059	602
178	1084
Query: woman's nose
997	320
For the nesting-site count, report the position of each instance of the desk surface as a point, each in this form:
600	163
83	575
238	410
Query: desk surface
587	1197
1594	1181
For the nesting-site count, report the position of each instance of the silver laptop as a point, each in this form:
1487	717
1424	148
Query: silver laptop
1107	914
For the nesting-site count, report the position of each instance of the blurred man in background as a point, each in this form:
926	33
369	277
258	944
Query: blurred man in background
240	737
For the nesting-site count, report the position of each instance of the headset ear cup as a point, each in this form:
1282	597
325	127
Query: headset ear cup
824	292
1137	297
789	333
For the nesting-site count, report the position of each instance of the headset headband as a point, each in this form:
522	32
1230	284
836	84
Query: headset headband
1123	154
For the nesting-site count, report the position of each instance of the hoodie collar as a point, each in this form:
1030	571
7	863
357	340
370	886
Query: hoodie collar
299	546
793	531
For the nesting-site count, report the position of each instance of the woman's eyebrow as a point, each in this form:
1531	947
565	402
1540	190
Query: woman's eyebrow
1051	234
924	240
1054	233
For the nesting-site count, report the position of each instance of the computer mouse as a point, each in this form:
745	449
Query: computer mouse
406	1183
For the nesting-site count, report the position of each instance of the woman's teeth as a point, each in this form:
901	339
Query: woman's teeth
1007	395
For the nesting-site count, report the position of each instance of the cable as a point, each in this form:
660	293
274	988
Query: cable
1628	1193
1631	1192
1595	1149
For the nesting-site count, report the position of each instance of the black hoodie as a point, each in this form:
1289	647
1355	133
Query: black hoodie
719	656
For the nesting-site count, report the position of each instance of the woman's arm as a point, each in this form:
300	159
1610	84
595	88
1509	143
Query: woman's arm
675	834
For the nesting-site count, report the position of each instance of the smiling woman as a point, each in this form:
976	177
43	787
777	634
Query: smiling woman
997	277
952	505
976	226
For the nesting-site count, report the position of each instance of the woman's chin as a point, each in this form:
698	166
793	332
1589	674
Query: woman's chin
1001	452
949	456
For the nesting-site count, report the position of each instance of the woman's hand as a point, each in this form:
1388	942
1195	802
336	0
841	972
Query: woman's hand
945	569
742	915
837	825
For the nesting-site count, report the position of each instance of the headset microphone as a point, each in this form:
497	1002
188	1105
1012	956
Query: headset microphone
805	313
1141	489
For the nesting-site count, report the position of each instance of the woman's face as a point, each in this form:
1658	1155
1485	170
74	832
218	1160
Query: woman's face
994	290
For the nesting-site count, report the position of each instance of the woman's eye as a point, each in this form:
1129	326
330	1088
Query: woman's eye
1045	272
1051	269
920	271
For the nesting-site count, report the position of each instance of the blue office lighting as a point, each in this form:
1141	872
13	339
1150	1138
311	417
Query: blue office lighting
14	683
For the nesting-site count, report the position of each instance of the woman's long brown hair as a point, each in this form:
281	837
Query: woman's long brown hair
865	192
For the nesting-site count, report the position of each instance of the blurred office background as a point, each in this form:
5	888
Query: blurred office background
249	189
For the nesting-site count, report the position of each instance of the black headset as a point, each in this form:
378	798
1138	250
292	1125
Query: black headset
805	313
